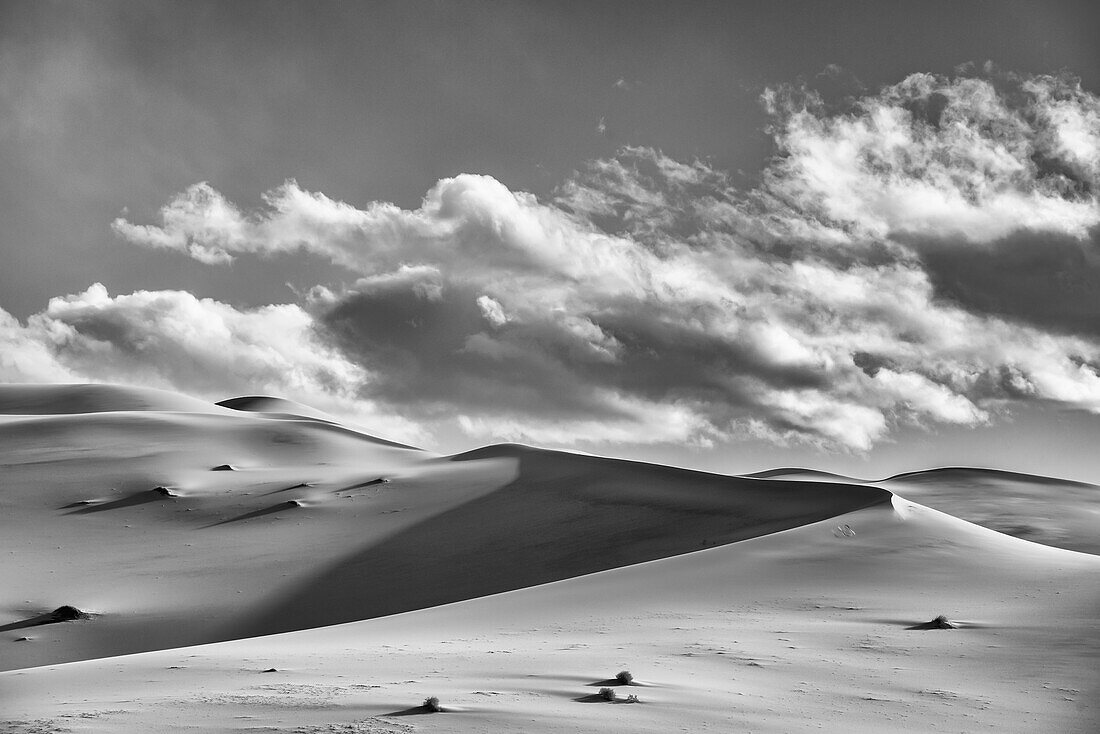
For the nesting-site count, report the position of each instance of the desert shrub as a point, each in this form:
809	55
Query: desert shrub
607	694
624	677
432	704
632	699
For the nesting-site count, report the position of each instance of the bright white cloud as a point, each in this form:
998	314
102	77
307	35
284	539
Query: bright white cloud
26	357
937	157
492	311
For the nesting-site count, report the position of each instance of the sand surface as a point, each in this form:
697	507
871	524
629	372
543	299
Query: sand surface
509	582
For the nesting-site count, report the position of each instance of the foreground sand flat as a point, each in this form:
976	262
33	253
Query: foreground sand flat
804	625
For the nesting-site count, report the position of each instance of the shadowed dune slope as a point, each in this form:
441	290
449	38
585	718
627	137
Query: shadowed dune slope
563	515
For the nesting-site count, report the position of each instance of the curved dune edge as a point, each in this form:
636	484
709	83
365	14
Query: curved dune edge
795	631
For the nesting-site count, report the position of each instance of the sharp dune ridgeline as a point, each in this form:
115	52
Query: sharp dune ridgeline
362	577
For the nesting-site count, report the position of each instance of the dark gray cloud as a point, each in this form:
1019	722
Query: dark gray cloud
1050	281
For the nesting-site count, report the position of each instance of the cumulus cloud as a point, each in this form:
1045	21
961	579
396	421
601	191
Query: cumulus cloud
653	301
971	158
173	340
26	357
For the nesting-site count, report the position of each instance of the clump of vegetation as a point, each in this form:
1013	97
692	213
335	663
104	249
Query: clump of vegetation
939	623
624	677
65	614
432	704
607	694
632	699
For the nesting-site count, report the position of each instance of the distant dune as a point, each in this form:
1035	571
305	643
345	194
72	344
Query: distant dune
507	582
978	475
1056	512
280	408
799	473
72	399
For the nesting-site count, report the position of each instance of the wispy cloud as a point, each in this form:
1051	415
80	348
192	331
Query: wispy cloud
652	300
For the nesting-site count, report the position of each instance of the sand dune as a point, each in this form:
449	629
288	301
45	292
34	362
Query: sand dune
511	582
801	630
119	513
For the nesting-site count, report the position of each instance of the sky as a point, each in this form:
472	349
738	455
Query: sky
861	237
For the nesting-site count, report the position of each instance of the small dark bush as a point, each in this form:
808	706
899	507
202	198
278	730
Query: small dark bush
939	623
432	704
633	699
66	614
624	677
607	694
